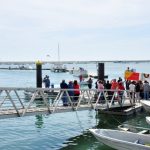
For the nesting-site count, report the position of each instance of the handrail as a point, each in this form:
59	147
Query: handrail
24	100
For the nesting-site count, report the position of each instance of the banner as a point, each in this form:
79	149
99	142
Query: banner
129	75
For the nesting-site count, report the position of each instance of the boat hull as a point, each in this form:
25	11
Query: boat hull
121	140
146	105
79	72
148	120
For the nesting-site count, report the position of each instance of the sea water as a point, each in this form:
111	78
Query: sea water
65	131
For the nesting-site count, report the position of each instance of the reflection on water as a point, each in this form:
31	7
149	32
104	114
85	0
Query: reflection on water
39	121
64	131
87	141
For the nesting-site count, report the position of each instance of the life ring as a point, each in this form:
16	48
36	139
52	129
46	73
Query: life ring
146	75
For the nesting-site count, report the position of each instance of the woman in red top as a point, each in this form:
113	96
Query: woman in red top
76	91
121	89
114	86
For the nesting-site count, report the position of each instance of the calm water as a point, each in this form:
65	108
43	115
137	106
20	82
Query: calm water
65	131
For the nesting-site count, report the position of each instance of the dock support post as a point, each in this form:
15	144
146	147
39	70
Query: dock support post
101	71
38	74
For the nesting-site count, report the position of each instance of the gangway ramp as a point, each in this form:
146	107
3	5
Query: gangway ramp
19	102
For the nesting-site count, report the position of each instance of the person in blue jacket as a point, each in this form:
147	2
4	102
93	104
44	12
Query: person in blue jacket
63	85
46	81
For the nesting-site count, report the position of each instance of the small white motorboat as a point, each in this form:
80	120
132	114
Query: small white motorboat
58	68
146	105
29	95
148	120
79	72
83	83
122	140
135	129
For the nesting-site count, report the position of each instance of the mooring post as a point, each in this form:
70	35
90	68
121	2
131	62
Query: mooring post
38	74
101	71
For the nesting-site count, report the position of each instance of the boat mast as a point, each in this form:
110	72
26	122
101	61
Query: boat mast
58	54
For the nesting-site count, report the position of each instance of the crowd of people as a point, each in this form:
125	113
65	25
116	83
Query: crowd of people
135	90
110	87
138	89
73	91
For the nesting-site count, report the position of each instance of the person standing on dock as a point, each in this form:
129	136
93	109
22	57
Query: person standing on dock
121	89
80	78
90	81
101	91
63	85
70	92
114	86
108	87
76	91
146	88
137	91
132	92
46	81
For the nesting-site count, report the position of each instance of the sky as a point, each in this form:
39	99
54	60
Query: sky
86	30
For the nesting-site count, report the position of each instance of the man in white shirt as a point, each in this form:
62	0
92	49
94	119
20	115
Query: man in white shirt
132	92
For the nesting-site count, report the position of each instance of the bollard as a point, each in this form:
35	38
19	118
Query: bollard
39	74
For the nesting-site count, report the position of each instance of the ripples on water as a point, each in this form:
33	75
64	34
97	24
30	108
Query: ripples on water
44	132
64	131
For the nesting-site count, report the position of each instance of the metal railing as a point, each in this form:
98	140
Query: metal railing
20	101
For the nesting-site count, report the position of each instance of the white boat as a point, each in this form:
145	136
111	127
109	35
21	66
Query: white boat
83	84
135	129
122	140
146	105
58	67
148	120
79	72
29	94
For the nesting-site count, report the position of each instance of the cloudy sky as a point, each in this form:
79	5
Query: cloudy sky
85	30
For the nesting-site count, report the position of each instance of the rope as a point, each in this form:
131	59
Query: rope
80	123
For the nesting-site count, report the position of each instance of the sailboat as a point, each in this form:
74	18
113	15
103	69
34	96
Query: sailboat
58	66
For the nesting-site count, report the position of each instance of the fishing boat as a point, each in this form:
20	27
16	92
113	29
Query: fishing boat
122	140
146	105
148	120
135	129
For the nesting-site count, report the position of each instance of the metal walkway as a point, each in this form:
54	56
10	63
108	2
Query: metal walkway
18	102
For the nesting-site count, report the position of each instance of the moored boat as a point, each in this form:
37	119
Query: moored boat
135	129
146	105
58	68
79	72
148	120
122	140
29	95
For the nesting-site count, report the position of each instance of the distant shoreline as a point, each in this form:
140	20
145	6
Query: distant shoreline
72	62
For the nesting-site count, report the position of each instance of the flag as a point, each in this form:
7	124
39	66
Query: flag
129	75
